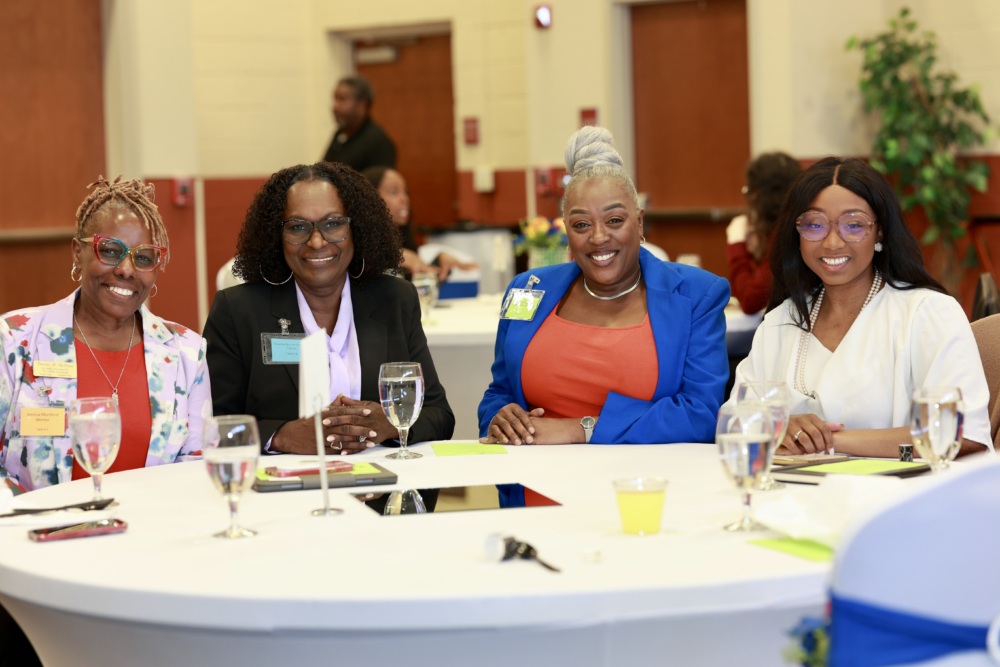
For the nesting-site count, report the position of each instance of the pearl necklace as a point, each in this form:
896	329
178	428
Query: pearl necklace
614	296
800	364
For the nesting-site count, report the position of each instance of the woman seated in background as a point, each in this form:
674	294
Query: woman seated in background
623	347
392	187
101	340
314	251
768	178
856	323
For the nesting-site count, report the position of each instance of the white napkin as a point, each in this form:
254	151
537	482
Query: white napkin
823	513
6	498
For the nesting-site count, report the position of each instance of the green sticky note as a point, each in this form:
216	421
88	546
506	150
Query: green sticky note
862	466
814	551
362	468
466	448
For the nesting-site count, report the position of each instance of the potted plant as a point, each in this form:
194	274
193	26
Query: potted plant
927	120
544	240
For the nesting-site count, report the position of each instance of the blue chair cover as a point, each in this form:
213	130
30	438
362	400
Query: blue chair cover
864	635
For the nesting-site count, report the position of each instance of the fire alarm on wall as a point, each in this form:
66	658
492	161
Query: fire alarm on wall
543	16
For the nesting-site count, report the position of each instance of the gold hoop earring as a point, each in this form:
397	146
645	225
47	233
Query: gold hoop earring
75	274
156	290
359	272
642	239
271	283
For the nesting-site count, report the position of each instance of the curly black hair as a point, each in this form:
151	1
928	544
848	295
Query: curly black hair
769	176
259	251
900	262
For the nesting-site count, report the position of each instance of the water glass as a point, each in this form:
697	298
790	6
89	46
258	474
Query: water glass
230	448
401	391
936	417
427	291
743	434
776	397
95	431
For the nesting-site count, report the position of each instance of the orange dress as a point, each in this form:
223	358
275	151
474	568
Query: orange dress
133	400
569	368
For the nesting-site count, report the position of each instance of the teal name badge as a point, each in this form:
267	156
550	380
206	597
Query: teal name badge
281	348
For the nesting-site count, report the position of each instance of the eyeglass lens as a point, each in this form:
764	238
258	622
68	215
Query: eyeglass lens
111	251
853	227
333	230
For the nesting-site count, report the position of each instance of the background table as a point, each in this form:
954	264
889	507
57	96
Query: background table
365	589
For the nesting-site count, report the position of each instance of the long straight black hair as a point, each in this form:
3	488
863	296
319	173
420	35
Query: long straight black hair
900	262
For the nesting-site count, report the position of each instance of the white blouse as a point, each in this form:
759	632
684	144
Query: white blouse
903	339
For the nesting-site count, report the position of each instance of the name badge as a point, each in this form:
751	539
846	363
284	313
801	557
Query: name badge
522	304
281	348
54	369
43	421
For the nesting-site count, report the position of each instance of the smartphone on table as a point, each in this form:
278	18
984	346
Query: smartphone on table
85	529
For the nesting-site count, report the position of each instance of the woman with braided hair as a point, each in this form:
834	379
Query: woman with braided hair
102	340
620	347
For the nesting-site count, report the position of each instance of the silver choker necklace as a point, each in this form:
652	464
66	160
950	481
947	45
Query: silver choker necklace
800	370
614	296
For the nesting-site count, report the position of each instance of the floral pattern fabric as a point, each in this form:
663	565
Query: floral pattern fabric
179	391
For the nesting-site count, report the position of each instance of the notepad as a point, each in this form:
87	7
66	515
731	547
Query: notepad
808	549
811	474
465	448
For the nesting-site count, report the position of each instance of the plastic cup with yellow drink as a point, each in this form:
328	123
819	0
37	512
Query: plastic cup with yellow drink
640	503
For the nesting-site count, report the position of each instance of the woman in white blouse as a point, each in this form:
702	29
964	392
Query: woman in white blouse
856	323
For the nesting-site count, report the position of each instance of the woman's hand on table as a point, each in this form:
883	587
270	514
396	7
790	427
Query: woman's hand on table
448	262
512	425
363	422
349	427
809	434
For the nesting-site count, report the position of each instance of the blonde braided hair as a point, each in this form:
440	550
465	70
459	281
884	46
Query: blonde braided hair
131	195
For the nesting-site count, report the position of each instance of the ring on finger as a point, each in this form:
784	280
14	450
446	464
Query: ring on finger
796	436
362	438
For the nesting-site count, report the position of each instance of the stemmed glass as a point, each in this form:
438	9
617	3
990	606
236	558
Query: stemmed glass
743	434
231	447
936	417
427	291
776	397
401	390
95	430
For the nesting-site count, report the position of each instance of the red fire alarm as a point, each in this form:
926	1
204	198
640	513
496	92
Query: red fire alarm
470	130
543	16
183	192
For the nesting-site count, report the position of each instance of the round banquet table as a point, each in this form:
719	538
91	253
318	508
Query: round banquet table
360	588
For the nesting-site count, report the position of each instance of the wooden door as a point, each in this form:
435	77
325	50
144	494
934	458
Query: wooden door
51	140
414	103
692	102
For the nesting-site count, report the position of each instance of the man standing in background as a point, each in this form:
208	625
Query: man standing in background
358	142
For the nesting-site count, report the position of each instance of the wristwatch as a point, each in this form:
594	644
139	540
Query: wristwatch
588	424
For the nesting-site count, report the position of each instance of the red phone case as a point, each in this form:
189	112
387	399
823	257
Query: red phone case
332	466
86	529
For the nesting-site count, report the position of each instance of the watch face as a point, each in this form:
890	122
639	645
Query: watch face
588	422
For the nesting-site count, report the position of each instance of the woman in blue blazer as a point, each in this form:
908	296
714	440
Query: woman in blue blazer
613	287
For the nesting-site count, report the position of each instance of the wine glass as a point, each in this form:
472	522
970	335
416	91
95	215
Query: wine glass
936	418
401	390
743	433
427	291
95	430
231	447
775	396
405	501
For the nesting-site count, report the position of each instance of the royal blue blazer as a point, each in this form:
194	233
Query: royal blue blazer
687	313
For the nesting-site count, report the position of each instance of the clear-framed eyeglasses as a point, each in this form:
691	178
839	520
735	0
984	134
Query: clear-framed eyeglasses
298	231
853	226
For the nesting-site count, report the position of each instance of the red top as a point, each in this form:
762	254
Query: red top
749	280
133	400
569	368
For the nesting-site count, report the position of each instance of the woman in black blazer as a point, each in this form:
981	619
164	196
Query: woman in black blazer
314	253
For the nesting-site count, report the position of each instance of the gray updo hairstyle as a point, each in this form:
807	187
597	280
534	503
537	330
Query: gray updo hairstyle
590	153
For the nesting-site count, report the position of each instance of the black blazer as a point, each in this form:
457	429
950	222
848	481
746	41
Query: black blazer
387	321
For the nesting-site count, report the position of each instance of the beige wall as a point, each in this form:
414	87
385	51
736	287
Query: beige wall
236	88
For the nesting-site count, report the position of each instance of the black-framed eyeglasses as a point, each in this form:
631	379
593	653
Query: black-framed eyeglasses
112	252
298	231
853	226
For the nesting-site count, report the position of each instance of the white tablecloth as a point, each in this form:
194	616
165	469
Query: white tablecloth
413	589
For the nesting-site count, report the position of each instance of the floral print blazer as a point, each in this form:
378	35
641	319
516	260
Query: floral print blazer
179	394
